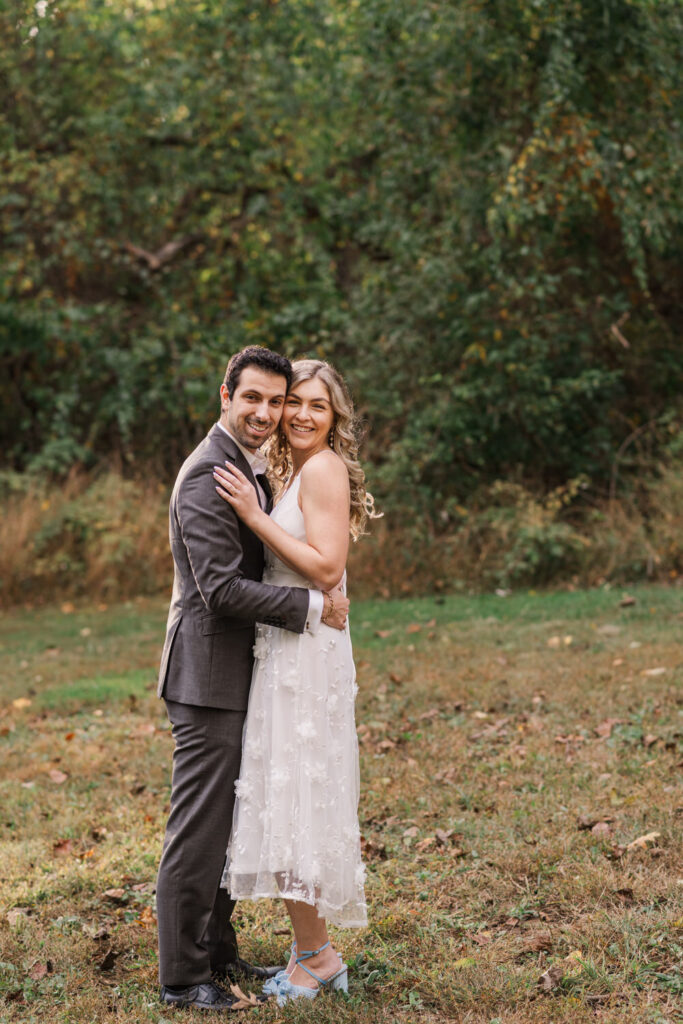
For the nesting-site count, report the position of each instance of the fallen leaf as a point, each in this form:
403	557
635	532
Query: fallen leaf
551	978
443	837
604	730
482	938
425	843
57	776
68	608
427	715
625	895
39	970
609	629
554	642
653	671
372	850
386	745
601	830
62	848
414	627
147	918
642	842
410	835
20	703
243	1002
395	678
17	915
627	601
109	961
68	736
538	942
465	961
116	895
650	739
382	633
96	932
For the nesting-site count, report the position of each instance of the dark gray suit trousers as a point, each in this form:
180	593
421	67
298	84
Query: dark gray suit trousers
195	932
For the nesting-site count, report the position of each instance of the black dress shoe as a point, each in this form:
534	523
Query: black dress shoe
207	996
240	969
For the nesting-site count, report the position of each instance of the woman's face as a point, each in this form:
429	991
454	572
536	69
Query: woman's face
308	417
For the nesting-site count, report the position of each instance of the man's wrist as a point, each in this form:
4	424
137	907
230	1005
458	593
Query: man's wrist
316	606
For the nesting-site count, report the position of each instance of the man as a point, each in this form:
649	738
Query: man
205	677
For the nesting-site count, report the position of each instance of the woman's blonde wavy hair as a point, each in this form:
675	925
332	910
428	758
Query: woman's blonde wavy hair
344	440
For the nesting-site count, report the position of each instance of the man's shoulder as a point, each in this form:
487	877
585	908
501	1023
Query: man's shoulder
211	449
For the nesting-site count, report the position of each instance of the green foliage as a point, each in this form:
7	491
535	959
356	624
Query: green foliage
472	209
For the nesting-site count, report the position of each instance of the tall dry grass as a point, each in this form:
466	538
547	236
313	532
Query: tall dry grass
107	537
103	536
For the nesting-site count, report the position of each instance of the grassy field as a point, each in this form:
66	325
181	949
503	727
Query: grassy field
521	811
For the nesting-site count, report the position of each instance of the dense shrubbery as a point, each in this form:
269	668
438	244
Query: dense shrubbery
472	209
107	538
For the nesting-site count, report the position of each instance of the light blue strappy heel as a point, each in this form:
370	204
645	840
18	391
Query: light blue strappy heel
270	987
286	991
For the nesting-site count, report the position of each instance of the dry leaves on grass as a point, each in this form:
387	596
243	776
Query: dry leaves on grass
587	822
568	967
243	1002
604	730
62	848
108	962
17	916
371	850
40	970
116	895
643	842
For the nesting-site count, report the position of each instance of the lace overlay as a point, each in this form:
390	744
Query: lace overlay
295	826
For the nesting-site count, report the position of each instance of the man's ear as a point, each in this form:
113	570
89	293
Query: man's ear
225	398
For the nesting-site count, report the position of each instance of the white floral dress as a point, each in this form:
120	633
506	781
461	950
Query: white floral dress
295	826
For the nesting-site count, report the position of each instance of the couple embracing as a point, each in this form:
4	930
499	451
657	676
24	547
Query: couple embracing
259	684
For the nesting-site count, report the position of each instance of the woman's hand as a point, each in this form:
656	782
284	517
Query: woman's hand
234	488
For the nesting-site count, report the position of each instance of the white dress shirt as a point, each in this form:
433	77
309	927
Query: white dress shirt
259	464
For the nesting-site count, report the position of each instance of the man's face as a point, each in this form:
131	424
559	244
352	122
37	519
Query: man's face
254	411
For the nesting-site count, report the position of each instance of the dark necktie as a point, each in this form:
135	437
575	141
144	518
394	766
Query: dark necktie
265	486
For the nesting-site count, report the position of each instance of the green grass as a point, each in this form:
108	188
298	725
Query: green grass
483	750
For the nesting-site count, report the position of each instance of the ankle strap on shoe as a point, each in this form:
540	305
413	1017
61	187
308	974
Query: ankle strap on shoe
306	954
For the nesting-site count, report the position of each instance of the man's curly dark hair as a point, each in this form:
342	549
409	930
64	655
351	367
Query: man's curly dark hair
263	358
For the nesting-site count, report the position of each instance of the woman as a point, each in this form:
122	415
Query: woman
295	827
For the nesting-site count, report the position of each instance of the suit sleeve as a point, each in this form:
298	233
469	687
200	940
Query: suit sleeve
210	531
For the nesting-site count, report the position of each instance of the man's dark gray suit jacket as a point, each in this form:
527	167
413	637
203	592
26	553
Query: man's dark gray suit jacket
217	594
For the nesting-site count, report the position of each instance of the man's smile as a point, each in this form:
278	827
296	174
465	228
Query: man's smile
260	428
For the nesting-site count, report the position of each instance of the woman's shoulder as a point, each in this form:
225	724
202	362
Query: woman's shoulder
324	467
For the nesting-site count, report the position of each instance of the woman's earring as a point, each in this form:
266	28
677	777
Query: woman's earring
330	438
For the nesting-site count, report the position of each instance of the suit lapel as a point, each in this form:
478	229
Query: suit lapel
227	445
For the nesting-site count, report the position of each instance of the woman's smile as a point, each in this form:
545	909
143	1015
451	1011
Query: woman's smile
308	417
